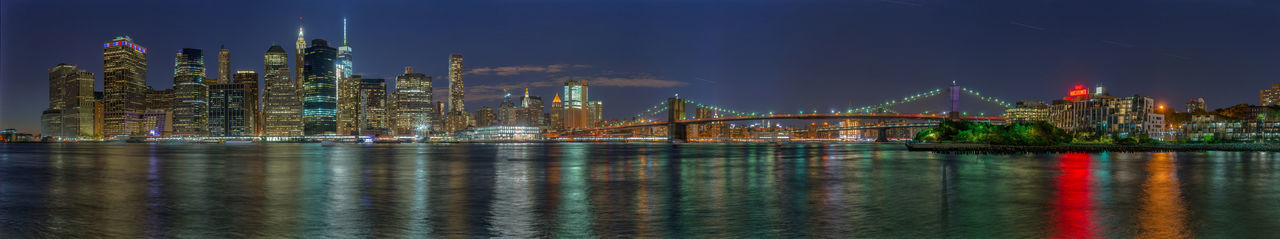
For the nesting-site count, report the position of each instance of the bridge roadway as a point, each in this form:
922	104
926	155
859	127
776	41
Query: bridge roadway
816	116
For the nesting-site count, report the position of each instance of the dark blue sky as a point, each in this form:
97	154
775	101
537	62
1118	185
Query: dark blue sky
750	55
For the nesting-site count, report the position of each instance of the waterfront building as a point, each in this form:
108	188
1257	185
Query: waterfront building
349	105
191	94
344	66
1027	111
456	107
485	117
227	110
556	117
252	116
1103	112
282	108
1196	105
99	112
320	97
372	97
124	81
437	124
575	104
506	113
71	92
413	109
502	133
51	124
595	113
157	120
532	111
1269	97
224	66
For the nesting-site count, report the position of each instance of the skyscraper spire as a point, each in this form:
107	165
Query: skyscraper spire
299	47
344	31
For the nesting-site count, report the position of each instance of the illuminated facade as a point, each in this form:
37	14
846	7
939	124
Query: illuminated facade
191	94
373	107
1196	105
344	66
227	110
299	59
502	133
1027	111
349	105
456	107
485	117
575	104
71	92
124	80
595	113
157	120
51	123
557	114
413	113
282	108
1269	97
319	92
224	66
252	118
1102	112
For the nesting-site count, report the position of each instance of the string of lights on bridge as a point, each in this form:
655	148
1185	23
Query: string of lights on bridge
662	106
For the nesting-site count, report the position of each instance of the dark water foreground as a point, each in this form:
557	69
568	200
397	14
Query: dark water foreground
626	190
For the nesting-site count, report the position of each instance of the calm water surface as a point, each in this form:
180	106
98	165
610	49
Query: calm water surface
626	190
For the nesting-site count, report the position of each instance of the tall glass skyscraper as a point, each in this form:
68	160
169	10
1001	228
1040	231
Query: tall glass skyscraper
124	66
412	105
191	94
344	54
320	99
282	112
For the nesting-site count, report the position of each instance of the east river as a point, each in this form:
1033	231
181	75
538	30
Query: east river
578	190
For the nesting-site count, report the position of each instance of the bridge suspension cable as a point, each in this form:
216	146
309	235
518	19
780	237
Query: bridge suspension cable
993	100
885	105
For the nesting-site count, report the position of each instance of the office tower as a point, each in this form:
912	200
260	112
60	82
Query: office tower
372	98
455	84
224	66
575	104
99	113
157	119
71	91
344	66
1196	105
506	114
319	95
299	62
413	110
349	105
51	124
485	117
557	114
437	124
124	79
531	110
252	116
282	110
227	110
595	113
191	94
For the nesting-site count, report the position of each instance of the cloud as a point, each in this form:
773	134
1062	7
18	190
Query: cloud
516	70
637	81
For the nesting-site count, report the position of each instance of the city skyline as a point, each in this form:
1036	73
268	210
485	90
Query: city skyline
707	66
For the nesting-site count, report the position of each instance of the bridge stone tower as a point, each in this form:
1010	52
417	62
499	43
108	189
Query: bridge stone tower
676	132
953	101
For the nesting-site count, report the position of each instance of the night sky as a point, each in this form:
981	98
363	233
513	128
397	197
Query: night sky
749	55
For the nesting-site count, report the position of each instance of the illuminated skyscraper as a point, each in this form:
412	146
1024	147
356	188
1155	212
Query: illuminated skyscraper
413	109
227	110
455	84
557	114
71	91
282	111
373	107
349	105
157	120
191	94
224	66
344	66
252	116
595	113
320	95
300	51
485	117
575	104
124	81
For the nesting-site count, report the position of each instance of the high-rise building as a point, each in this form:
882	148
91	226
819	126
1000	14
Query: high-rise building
252	116
455	84
282	111
191	94
485	117
437	125
349	105
157	120
320	95
299	61
51	124
557	114
372	97
1196	105
99	112
506	113
595	113
224	66
71	92
159	99
575	104
227	110
1104	112
413	109
531	111
344	66
1269	97
124	80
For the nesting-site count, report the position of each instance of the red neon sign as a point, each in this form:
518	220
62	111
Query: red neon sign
1079	91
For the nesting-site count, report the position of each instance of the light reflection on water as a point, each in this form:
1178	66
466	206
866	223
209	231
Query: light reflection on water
576	190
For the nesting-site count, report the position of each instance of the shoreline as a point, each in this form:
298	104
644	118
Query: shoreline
1008	149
